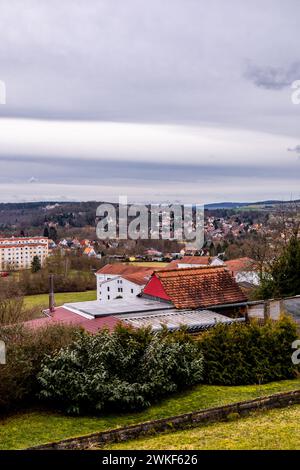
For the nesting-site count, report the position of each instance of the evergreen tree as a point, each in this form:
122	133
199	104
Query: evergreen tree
53	234
283	279
36	264
46	232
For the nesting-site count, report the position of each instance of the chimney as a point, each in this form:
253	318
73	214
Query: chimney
51	295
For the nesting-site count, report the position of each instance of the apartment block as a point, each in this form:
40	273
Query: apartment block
18	253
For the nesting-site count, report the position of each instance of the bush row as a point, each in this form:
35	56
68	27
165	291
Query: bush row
242	354
131	369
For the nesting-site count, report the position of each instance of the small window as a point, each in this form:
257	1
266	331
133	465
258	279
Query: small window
108	289
132	291
108	297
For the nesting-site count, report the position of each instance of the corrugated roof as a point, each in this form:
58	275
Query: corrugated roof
173	319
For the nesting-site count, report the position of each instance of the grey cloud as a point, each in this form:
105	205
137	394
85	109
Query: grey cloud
150	62
170	61
295	149
273	78
75	171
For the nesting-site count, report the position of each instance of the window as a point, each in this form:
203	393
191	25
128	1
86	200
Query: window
131	291
108	297
108	289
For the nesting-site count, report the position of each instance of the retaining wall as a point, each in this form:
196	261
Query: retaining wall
183	421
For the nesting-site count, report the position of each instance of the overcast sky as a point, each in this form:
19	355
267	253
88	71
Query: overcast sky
184	100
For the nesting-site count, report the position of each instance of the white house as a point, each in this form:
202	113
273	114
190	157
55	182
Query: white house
121	281
195	262
244	270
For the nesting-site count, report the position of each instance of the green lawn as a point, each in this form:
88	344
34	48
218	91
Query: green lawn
42	300
36	427
268	430
149	264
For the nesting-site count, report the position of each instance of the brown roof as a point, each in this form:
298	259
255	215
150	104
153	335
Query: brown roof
240	264
204	260
200	287
122	269
139	278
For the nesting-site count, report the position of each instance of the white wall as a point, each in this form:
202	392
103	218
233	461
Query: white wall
109	287
248	276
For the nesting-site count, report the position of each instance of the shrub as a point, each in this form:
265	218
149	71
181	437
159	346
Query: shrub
25	351
127	369
239	354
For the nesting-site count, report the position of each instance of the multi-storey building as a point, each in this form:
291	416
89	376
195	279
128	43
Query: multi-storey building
121	281
18	253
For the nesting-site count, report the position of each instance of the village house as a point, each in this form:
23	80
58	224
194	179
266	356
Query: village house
198	298
90	252
121	281
197	288
195	262
244	270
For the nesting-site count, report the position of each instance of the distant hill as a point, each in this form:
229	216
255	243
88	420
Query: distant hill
31	217
254	205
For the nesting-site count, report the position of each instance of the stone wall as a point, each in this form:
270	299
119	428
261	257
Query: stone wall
196	418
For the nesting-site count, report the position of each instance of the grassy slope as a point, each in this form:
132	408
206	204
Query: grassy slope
37	427
42	300
269	430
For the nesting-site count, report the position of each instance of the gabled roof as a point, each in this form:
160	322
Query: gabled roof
201	287
203	260
138	278
122	269
240	264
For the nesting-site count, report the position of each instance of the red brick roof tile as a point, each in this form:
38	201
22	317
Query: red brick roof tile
240	264
201	287
124	269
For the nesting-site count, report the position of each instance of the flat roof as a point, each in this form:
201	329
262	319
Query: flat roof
95	309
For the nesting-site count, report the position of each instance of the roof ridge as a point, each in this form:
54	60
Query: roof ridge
192	268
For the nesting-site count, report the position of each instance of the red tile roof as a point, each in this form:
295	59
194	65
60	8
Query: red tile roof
203	260
240	264
138	278
65	316
201	287
124	269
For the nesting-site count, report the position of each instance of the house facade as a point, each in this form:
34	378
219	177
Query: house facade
244	270
121	281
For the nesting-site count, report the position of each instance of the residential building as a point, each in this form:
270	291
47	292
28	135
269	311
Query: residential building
244	270
18	253
121	281
195	262
89	251
195	288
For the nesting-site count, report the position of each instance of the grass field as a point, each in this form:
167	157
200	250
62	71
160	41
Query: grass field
42	300
37	426
269	430
149	264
